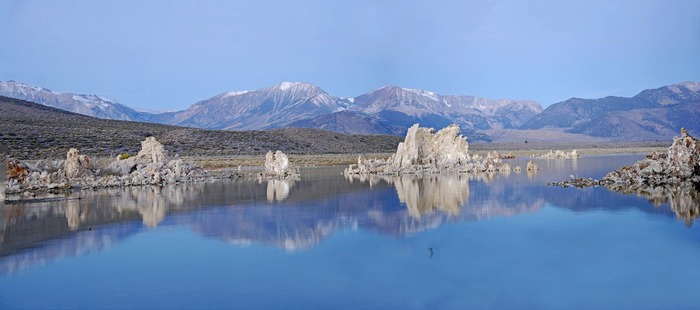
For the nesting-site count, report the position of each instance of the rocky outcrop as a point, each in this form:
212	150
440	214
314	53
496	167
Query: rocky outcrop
425	152
446	148
16	171
76	165
277	166
531	166
680	164
151	151
151	166
673	177
559	154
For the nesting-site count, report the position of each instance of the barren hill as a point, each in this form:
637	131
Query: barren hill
32	131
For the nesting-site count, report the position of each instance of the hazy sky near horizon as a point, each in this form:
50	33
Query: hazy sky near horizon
170	54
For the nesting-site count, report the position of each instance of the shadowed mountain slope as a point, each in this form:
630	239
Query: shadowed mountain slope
32	131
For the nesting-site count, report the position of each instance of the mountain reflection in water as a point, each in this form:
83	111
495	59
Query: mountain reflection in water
298	215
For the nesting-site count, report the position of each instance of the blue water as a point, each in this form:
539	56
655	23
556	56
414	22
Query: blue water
455	242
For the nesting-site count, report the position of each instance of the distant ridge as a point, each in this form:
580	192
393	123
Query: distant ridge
652	114
387	110
34	131
91	105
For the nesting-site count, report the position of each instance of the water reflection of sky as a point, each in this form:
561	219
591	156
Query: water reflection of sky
488	241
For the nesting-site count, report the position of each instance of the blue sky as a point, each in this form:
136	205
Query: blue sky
170	54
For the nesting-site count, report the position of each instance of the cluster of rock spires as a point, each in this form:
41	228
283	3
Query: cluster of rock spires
672	177
680	164
151	166
559	154
424	151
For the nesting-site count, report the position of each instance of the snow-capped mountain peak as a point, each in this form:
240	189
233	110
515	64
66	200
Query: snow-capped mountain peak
270	107
92	105
295	86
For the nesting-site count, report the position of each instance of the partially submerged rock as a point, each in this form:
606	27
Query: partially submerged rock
673	177
445	149
425	152
277	166
531	166
680	164
559	154
151	166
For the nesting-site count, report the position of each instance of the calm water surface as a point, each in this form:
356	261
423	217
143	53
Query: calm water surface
480	241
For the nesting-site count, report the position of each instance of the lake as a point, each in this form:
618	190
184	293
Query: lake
327	241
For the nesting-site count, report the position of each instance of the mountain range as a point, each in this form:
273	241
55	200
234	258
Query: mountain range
91	105
30	130
650	115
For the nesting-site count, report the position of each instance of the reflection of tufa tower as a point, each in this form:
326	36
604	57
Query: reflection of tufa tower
278	189
72	210
3	172
427	193
152	208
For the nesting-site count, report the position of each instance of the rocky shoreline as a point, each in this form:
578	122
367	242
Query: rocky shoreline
151	166
672	177
680	164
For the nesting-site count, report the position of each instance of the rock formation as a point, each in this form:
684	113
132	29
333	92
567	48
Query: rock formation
276	163
16	171
673	177
680	164
559	154
151	151
446	148
75	165
277	166
150	166
531	166
425	152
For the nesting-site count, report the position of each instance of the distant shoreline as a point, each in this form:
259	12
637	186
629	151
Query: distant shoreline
518	150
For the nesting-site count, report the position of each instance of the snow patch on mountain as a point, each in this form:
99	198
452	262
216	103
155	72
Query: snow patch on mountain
691	86
234	93
91	105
